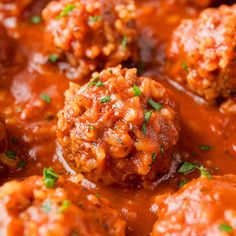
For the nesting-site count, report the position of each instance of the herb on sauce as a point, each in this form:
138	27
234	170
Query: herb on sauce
147	116
65	11
50	177
45	98
94	19
65	204
185	66
124	42
155	105
21	164
53	58
11	154
205	148
186	168
183	182
46	206
97	195
105	99
36	20
90	127
225	228
154	157
137	92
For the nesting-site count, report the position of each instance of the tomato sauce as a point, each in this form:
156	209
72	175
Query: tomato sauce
32	121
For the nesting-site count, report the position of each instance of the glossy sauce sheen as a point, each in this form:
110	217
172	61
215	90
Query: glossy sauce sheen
33	121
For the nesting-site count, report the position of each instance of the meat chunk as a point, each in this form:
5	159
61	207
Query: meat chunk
202	207
202	53
118	127
31	208
92	34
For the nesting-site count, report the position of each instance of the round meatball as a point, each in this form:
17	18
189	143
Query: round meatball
118	127
202	53
92	34
30	208
202	207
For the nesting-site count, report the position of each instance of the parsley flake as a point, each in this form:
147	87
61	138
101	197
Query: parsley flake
11	154
182	183
45	98
53	58
205	148
155	105
136	90
50	177
225	228
124	42
186	168
185	66
36	20
65	204
94	19
105	99
65	11
154	157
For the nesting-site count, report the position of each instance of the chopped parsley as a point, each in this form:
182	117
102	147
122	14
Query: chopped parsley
105	99
45	98
50	177
154	157
155	105
90	127
21	164
65	204
185	66
11	154
65	11
94	19
124	42
136	90
97	195
46	206
96	82
205	148
147	116
225	228
182	183
53	58
186	168
36	20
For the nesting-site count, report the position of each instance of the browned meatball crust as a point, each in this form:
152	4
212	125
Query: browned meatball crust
118	127
92	34
202	207
202	53
68	209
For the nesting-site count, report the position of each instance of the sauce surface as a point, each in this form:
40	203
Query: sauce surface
31	121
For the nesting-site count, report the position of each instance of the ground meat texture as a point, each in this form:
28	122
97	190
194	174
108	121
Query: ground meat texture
202	53
29	208
202	207
118	127
92	34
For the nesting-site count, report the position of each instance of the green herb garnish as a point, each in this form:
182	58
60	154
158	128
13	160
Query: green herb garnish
65	204
124	42
45	98
225	228
205	148
96	82
186	168
183	182
137	92
36	20
94	19
65	11
154	157
147	116
53	58
21	164
50	177
185	66
155	105
11	154
105	99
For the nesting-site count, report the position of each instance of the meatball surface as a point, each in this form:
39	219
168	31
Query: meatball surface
30	208
118	127
202	53
202	207
92	34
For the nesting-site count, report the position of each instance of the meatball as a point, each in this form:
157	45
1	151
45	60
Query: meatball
119	127
202	207
31	208
202	53
92	34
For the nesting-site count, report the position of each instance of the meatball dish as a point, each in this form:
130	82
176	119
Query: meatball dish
117	118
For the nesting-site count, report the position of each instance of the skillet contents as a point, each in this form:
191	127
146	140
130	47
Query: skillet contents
118	127
117	117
